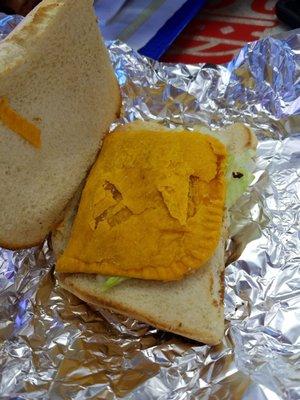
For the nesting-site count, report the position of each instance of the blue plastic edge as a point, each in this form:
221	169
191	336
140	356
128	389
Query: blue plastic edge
171	29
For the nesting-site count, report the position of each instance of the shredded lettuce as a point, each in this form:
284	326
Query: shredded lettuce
111	282
239	169
239	175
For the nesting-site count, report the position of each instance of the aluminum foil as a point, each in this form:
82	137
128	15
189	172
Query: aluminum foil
53	346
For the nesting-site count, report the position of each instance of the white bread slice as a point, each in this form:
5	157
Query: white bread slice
55	71
192	307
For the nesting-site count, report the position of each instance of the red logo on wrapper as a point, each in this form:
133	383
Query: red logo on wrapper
221	29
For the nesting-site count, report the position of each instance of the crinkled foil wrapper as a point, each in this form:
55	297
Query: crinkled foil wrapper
53	346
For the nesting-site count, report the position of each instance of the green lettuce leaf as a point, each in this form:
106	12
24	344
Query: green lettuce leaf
239	175
111	282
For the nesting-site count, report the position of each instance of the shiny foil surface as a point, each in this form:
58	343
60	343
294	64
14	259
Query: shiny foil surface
53	346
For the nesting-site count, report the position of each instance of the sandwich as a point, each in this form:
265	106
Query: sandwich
140	227
146	237
58	96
